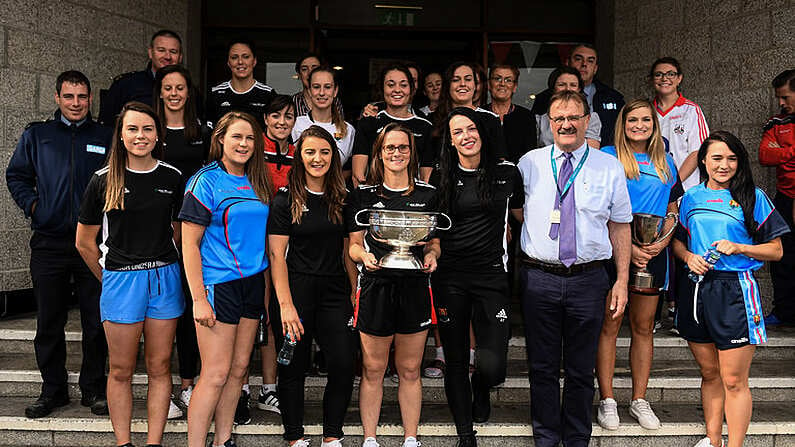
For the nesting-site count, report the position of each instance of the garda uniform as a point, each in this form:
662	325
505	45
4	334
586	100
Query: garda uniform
132	86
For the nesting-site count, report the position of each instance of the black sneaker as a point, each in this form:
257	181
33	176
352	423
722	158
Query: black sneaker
242	413
97	403
229	442
467	440
45	404
481	403
268	401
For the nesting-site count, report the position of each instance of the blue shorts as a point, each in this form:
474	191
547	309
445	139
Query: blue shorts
239	298
724	309
131	296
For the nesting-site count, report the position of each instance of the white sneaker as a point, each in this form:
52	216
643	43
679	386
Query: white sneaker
607	415
642	412
707	443
185	395
334	443
174	411
303	443
370	442
411	441
268	401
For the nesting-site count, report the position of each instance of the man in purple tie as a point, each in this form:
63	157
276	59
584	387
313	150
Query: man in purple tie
576	230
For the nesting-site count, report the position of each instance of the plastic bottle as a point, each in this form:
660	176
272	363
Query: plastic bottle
286	353
711	256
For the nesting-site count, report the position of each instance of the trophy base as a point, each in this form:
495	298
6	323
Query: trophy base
400	261
643	282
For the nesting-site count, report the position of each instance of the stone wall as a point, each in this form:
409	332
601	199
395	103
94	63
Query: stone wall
38	40
730	50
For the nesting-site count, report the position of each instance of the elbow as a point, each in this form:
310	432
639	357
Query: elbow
778	253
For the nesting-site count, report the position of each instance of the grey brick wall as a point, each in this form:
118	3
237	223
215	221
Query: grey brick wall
38	40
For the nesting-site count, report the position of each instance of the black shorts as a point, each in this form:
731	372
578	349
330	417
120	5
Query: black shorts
390	304
657	266
724	309
239	298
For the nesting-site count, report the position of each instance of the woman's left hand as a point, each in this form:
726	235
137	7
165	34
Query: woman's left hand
429	263
653	249
727	247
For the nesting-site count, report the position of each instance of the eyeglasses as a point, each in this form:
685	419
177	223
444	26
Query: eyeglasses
501	80
666	75
402	148
574	119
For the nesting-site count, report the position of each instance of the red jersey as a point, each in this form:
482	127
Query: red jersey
778	149
278	164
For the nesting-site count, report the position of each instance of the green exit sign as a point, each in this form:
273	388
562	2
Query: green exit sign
396	17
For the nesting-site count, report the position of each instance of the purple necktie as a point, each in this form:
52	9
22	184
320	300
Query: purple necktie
567	243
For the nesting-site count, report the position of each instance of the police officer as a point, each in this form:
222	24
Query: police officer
46	176
165	48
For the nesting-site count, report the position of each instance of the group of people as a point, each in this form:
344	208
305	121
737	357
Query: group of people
205	222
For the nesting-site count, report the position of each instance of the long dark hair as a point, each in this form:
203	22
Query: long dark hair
445	100
396	66
334	191
741	186
193	130
449	161
117	158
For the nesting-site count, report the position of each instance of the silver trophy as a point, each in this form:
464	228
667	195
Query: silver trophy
647	230
401	230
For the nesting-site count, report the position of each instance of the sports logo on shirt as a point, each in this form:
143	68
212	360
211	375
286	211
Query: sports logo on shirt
426	323
501	315
164	191
415	205
679	129
225	104
379	205
460	183
304	209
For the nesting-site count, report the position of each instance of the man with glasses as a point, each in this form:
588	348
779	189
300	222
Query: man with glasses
566	248
602	100
517	121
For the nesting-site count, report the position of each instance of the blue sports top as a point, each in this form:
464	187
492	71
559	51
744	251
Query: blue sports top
233	245
709	215
647	193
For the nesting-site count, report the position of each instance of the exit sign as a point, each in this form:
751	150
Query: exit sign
395	17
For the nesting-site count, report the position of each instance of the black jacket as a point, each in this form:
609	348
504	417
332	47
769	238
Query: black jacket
52	165
132	86
606	103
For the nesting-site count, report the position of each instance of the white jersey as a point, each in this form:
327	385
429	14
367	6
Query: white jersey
685	128
344	144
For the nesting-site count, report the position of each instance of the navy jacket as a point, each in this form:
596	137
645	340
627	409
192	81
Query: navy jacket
52	165
606	103
132	86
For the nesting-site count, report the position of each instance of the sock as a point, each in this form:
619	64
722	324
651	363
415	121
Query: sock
471	356
440	353
245	388
268	387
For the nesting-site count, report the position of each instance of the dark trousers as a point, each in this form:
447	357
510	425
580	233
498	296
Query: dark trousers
563	315
482	299
781	272
54	261
324	306
187	345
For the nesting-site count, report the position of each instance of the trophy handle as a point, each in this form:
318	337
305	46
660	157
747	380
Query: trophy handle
449	222
356	218
673	227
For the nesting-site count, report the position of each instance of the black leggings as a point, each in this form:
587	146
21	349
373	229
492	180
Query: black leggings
483	299
187	346
324	306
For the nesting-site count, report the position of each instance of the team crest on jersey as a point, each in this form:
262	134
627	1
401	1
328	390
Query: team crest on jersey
679	129
757	320
733	203
337	136
304	209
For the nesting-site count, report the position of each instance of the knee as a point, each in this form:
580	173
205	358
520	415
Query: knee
373	370
158	368
239	369
408	372
215	378
710	373
610	327
120	373
734	383
643	328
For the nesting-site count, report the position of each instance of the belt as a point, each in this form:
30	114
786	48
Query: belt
560	269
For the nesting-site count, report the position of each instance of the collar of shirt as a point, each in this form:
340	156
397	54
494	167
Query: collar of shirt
589	91
577	154
69	123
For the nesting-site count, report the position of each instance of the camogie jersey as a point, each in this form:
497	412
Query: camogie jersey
233	245
477	241
709	215
223	99
316	244
685	128
140	236
493	127
422	198
187	156
369	128
278	164
344	144
647	193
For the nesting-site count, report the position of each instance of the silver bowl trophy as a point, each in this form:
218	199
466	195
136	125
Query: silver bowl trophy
646	230
401	230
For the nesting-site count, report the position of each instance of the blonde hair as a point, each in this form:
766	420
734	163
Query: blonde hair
655	147
255	166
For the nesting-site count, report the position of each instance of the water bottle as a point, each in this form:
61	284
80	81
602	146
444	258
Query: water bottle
711	256
286	353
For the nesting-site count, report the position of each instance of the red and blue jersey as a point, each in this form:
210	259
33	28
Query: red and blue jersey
648	193
233	245
709	215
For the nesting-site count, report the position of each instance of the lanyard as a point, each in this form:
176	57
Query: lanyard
570	181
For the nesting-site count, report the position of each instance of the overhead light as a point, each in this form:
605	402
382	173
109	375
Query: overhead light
383	6
337	67
533	97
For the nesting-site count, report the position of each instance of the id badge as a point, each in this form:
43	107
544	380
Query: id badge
554	216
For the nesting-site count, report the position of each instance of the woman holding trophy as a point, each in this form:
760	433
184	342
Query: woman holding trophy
654	189
394	300
729	227
471	284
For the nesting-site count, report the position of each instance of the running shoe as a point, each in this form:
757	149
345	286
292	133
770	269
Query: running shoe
304	443
467	441
642	412
370	442
707	443
242	413
411	441
434	369
185	395
334	443
607	415
174	412
268	401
